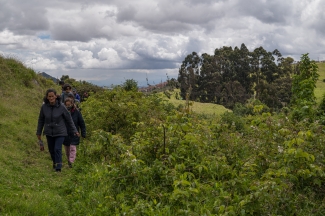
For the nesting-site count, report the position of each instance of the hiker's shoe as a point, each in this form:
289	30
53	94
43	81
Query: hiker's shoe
70	164
54	166
58	170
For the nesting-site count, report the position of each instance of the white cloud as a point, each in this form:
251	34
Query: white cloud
41	64
8	38
116	40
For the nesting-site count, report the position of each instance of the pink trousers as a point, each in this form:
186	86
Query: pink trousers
71	152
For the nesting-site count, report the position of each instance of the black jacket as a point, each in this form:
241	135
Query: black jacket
80	124
55	120
64	96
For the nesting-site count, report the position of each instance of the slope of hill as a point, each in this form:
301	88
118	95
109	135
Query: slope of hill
47	76
320	85
197	107
28	186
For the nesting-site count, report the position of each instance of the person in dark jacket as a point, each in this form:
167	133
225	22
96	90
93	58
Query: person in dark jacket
54	118
66	91
70	142
76	95
76	102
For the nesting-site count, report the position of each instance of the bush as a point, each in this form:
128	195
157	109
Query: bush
118	111
168	162
251	107
233	121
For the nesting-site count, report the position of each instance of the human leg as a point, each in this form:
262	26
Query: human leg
51	144
58	152
73	153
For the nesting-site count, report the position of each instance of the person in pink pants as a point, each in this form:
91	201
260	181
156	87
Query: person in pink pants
71	141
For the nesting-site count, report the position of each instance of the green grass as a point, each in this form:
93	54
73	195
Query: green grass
320	85
210	108
28	185
197	107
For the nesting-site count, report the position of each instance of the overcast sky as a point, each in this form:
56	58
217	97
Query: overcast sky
108	41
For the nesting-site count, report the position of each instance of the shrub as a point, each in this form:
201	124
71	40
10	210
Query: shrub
233	121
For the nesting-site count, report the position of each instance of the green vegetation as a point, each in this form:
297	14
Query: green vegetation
175	162
28	187
197	107
147	156
81	86
303	99
320	85
234	75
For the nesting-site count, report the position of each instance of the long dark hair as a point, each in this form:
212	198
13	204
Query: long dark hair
58	97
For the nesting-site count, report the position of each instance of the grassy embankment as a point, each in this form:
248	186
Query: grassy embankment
209	108
202	108
320	85
28	186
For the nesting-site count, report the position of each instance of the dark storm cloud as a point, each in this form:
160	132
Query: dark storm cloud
21	19
171	26
204	2
126	13
171	16
275	11
60	56
69	32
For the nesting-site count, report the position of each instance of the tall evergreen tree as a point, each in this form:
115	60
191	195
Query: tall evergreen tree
189	74
234	75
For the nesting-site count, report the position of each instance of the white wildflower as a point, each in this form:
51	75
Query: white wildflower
280	149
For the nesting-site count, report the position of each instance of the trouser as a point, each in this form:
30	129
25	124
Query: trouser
71	152
55	149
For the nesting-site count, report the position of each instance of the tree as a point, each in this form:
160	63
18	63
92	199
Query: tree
217	78
303	85
130	85
276	94
210	79
242	68
231	93
189	74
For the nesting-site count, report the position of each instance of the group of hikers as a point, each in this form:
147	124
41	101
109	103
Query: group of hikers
61	121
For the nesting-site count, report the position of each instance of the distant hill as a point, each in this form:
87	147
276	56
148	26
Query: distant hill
55	80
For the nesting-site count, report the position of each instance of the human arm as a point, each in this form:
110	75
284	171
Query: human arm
40	125
41	145
82	125
69	121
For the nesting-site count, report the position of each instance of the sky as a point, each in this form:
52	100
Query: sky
107	42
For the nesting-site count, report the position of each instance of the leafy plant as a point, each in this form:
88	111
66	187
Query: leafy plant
303	85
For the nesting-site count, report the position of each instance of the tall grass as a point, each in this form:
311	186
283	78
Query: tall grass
28	184
320	85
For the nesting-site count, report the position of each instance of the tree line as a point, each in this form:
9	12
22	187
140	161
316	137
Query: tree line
233	75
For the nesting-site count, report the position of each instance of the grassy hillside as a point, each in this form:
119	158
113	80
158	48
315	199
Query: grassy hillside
27	184
197	107
320	85
210	108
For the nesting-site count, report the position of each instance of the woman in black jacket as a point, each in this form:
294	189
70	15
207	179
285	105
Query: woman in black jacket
54	118
70	143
